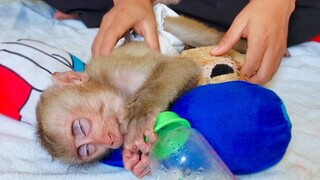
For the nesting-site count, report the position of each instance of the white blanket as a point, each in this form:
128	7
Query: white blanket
297	83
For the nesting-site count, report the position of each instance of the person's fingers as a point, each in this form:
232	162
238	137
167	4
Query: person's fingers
270	63
125	15
96	44
61	16
150	34
113	33
231	37
286	53
257	45
105	23
253	62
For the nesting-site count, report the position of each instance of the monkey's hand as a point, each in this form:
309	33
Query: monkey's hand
138	130
136	162
169	79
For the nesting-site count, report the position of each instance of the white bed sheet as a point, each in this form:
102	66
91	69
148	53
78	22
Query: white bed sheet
297	83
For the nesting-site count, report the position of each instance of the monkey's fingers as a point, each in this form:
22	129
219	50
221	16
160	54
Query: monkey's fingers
149	129
148	133
144	147
130	159
129	138
140	143
138	131
142	168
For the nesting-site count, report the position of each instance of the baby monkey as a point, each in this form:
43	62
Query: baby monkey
116	100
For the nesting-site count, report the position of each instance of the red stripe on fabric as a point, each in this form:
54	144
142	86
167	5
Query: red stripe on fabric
14	93
316	39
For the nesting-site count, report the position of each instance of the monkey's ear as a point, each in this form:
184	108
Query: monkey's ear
69	78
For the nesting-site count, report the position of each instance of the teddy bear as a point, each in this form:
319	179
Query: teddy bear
216	69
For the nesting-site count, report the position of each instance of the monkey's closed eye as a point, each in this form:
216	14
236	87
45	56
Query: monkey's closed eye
81	127
87	150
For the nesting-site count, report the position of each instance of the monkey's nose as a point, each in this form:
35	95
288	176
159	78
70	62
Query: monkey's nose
105	139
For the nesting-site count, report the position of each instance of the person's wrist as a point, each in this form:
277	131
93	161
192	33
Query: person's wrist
290	4
151	1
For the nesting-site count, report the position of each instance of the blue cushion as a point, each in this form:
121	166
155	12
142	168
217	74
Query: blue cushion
245	123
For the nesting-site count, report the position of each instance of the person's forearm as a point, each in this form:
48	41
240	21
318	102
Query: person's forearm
166	1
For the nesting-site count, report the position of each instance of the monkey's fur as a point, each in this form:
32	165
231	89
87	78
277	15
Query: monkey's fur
132	85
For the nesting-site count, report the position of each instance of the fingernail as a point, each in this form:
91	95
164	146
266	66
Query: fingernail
246	77
287	54
216	48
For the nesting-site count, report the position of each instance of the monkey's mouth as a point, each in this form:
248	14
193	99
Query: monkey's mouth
116	142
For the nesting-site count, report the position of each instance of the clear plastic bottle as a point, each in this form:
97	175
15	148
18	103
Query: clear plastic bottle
182	153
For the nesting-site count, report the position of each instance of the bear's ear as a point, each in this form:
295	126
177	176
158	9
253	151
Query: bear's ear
69	78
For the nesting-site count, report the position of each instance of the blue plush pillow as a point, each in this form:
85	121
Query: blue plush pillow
245	123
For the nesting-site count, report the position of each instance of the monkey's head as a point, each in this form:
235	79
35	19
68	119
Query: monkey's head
78	120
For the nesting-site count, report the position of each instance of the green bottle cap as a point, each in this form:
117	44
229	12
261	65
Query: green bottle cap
169	143
168	118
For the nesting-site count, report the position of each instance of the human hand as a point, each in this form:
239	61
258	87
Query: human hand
135	14
62	16
265	25
136	162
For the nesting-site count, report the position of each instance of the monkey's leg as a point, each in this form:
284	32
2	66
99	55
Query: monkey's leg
197	34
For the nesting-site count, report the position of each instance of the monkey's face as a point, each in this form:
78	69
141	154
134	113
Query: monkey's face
79	124
93	134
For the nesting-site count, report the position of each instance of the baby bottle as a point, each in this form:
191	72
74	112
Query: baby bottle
181	152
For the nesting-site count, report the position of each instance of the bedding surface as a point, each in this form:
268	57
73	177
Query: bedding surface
297	82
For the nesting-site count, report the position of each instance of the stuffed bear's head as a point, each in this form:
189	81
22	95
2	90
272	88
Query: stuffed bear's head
216	69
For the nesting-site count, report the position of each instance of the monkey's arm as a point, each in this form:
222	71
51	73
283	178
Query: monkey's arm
197	34
148	80
170	78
